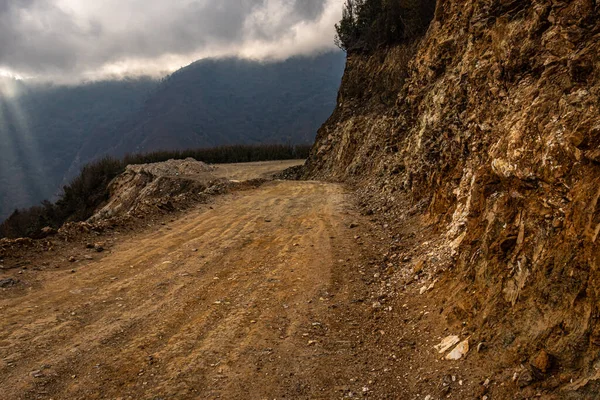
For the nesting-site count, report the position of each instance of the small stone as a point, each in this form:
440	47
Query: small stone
99	248
37	374
541	361
312	342
73	271
423	290
428	397
48	231
353	225
7	282
480	347
446	343
459	351
418	267
72	259
525	378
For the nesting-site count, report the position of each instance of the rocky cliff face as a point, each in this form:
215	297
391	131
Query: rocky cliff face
489	131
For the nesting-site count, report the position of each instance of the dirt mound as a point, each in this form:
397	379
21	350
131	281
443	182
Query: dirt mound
143	188
490	147
188	167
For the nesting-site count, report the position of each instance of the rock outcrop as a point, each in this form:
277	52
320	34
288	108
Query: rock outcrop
489	129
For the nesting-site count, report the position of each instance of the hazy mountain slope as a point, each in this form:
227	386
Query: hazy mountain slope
231	101
43	128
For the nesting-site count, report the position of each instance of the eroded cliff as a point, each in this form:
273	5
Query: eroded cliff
487	131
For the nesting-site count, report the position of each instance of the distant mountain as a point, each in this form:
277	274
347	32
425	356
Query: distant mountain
230	101
47	132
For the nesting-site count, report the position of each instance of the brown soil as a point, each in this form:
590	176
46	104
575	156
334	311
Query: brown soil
261	295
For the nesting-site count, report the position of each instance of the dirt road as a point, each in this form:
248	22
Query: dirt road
253	297
253	170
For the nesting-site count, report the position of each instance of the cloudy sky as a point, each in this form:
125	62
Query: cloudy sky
91	39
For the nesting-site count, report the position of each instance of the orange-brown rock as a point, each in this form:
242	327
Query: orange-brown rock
488	131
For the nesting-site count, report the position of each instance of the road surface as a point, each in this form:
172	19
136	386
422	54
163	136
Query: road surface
253	297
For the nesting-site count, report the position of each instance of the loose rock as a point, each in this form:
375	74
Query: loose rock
446	343
459	351
4	283
541	361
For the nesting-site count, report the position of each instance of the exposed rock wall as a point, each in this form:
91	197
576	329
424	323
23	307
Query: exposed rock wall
493	129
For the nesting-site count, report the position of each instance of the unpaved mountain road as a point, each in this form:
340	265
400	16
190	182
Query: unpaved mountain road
257	296
253	170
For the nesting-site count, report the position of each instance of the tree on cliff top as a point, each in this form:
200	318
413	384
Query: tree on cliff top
370	24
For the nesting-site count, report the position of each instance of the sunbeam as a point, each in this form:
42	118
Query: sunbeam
21	166
24	135
9	87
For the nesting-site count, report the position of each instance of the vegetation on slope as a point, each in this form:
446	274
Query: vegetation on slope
89	190
367	25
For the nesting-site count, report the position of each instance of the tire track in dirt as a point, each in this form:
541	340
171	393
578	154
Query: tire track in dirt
233	301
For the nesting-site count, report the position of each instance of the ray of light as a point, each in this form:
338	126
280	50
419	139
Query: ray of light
21	164
11	177
34	157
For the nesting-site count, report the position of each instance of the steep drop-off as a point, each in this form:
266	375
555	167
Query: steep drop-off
488	133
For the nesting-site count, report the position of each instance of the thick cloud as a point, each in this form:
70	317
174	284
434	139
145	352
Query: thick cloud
65	39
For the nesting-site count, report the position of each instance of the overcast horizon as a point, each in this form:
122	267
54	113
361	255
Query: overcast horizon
70	40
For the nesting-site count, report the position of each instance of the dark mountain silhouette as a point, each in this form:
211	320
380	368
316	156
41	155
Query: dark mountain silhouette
230	101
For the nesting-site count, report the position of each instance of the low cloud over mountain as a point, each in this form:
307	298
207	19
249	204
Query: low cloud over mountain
74	39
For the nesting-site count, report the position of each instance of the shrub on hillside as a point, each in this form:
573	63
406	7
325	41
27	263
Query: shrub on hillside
369	24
